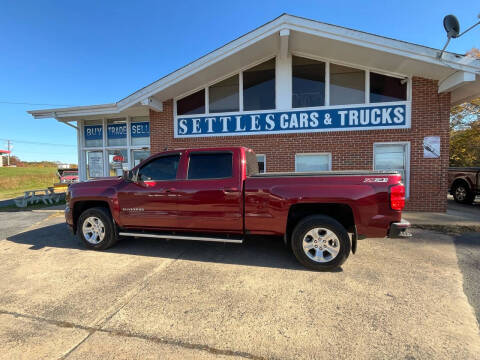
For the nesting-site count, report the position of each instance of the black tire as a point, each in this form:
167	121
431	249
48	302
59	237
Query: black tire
462	193
325	222
103	214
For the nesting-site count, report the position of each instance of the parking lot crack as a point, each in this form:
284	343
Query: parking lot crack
130	295
155	339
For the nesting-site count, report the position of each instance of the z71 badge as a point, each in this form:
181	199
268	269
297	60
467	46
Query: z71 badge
376	180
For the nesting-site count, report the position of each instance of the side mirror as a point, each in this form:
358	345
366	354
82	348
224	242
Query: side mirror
128	175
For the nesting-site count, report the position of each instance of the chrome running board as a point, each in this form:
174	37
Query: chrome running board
179	237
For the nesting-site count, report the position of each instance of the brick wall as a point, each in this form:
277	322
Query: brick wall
350	150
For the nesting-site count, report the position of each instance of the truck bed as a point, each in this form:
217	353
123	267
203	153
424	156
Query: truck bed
327	173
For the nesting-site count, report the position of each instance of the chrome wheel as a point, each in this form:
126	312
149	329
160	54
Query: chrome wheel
461	193
321	245
93	230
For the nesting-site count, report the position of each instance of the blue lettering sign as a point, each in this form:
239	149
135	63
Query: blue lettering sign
140	129
367	117
93	132
117	131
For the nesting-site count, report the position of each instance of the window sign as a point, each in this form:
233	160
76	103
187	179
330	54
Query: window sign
94	164
431	147
140	129
93	132
117	162
117	131
365	117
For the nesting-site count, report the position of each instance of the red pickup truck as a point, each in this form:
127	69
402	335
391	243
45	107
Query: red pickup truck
217	194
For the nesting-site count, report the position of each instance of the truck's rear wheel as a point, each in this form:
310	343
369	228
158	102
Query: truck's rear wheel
462	193
95	228
320	243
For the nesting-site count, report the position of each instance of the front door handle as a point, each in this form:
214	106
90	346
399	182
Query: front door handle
230	190
163	192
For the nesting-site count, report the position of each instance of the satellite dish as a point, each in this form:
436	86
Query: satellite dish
451	25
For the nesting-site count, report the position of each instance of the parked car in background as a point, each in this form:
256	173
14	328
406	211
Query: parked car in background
464	183
68	176
218	194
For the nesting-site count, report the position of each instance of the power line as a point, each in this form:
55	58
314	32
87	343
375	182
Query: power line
28	103
38	143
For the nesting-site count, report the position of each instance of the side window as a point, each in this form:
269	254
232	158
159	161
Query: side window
161	168
210	166
261	159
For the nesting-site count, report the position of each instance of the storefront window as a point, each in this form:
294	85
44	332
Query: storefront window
93	134
140	130
347	85
94	164
117	162
223	96
192	104
393	157
116	132
259	87
308	82
261	163
139	155
313	162
385	88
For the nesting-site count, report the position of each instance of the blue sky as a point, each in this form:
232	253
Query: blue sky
91	52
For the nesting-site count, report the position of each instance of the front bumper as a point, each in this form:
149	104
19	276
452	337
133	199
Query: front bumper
399	230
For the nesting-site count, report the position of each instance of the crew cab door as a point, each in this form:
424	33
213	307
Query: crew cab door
210	194
150	201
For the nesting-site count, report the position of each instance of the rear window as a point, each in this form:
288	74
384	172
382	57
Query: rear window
210	166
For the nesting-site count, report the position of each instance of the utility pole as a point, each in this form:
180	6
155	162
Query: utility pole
8	154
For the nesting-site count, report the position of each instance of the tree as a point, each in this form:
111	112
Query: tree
465	130
14	160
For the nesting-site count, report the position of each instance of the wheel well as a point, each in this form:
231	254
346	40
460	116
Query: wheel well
81	206
340	212
460	181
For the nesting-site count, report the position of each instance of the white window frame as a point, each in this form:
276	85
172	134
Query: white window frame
264	161
315	154
367	70
407	161
240	88
82	148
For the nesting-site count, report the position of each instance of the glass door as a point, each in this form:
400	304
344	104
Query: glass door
393	157
139	155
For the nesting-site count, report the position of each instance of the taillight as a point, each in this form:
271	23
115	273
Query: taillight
397	197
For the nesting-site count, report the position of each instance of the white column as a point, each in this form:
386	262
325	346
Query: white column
82	168
283	73
283	82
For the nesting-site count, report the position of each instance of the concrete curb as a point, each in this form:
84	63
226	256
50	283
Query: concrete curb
448	229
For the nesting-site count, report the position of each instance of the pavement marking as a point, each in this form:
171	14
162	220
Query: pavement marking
155	339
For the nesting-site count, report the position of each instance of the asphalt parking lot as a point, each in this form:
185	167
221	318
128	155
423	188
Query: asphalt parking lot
402	299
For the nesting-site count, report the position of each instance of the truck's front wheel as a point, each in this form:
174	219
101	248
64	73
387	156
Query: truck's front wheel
95	228
320	243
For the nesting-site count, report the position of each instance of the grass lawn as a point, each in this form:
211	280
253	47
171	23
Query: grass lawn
15	181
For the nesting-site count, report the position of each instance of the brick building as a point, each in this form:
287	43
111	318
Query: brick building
305	96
